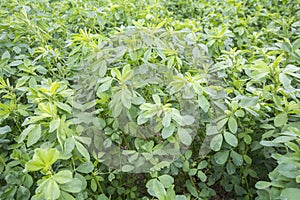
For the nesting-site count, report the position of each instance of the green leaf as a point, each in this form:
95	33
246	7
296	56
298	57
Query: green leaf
280	120
49	156
64	107
211	130
170	62
42	159
127	168
141	120
290	194
116	73
247	139
127	73
34	135
201	176
284	79
126	98
74	186
25	133
16	63
192	172
232	125
82	150
34	165
181	197
116	104
102	197
188	120
17	49
188	154
177	117
236	158
203	103
133	158
167	131
85	167
102	66
230	139
23	193
191	188
159	190
286	46
156	99
230	168
222	123
4	130
284	139
216	142
83	181
104	87
65	196
289	169
54	124
84	140
239	113
184	136
63	176
69	145
249	101
202	164
166	180
51	191
262	185
166	121
170	193
296	44
49	188
6	54
93	185
221	157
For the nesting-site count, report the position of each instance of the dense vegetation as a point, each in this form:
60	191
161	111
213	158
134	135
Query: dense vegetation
154	99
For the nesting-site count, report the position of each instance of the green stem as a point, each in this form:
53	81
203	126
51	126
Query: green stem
98	184
125	141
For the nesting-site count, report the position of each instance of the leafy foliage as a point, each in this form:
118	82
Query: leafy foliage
200	96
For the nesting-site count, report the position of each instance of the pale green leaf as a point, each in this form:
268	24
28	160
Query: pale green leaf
167	131
63	176
262	185
166	180
280	120
221	157
34	135
82	150
74	186
216	142
230	139
184	136
232	125
203	103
